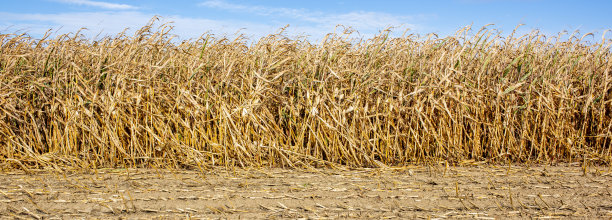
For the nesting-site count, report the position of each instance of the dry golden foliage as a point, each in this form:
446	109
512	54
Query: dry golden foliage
149	101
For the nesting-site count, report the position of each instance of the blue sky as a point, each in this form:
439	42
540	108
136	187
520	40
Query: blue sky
314	18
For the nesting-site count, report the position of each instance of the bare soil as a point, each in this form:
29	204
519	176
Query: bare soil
483	192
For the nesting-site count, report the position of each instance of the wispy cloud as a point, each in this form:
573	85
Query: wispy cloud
100	4
364	21
260	10
106	22
304	22
112	22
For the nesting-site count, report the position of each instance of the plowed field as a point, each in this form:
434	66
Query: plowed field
483	192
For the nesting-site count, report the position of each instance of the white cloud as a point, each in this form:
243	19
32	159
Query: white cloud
100	4
260	10
105	22
111	23
314	24
320	23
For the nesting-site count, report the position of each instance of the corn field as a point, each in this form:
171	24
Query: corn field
149	100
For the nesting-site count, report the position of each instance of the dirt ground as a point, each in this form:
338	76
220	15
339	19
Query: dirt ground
481	192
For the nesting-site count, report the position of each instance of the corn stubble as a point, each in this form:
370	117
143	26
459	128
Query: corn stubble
149	101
